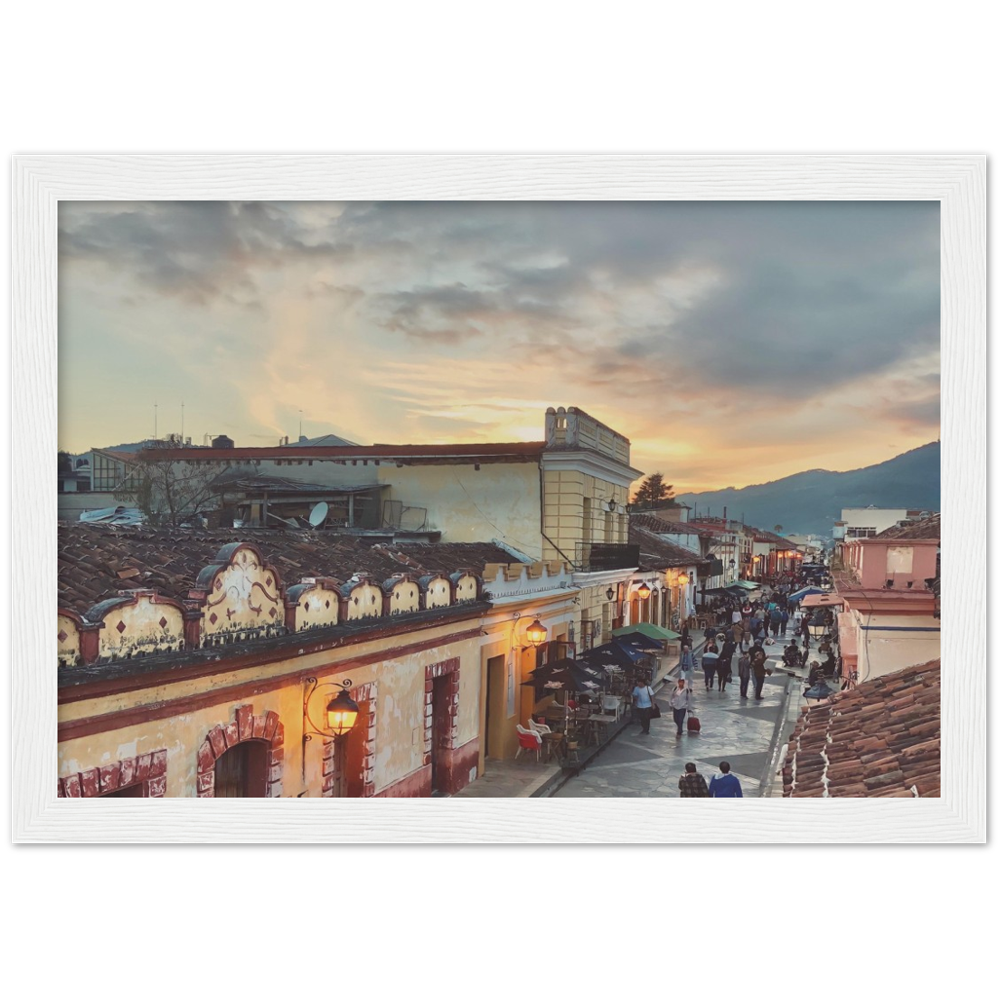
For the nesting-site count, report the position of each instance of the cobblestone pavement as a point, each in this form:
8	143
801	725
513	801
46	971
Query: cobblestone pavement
740	731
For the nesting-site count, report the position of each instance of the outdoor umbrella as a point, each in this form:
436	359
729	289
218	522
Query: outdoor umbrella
647	629
613	654
641	643
804	592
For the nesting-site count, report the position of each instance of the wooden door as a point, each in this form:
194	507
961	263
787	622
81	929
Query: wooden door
241	772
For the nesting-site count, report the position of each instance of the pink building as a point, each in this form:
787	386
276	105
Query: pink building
890	619
900	558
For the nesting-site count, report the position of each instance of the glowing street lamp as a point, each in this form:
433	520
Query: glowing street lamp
536	632
643	590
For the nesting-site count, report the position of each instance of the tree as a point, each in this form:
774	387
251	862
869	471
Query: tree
778	529
169	492
653	490
65	463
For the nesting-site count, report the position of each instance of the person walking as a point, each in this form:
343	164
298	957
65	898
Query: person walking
692	784
642	702
709	663
725	666
738	633
737	616
784	621
725	785
758	663
688	664
745	673
680	702
755	625
775	620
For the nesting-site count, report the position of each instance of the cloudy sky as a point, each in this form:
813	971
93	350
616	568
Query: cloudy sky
732	342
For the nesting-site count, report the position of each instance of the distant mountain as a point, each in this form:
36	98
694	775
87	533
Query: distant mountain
809	502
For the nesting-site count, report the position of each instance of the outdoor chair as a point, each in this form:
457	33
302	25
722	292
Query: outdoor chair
539	727
527	740
612	705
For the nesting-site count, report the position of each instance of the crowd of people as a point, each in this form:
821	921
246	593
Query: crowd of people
746	628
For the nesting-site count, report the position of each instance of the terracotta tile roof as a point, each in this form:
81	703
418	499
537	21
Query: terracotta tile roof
929	527
658	553
96	562
760	535
660	526
493	452
883	738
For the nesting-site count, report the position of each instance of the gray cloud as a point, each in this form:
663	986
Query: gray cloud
732	302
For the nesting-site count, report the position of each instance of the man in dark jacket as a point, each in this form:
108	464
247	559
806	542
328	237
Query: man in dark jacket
726	663
758	663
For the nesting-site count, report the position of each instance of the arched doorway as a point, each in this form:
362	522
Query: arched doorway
241	772
251	773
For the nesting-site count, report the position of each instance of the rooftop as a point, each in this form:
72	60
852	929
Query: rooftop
660	526
657	553
404	453
98	562
928	528
880	739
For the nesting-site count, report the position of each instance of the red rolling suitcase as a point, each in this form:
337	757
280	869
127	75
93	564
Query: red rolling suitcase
694	726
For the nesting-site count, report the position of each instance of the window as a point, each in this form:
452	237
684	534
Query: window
587	520
862	532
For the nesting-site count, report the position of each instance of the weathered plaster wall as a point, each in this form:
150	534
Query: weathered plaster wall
244	596
69	642
399	723
365	602
499	501
319	606
405	598
575	510
145	627
438	593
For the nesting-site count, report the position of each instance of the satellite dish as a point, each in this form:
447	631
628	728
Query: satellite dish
318	514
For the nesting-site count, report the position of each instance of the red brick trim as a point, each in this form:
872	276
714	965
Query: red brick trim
367	695
148	770
245	726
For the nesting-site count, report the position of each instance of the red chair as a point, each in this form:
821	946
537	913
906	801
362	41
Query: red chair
527	740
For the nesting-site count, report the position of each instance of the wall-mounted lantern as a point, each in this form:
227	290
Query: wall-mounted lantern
683	579
536	632
610	593
643	590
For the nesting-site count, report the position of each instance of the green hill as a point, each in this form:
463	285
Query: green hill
809	502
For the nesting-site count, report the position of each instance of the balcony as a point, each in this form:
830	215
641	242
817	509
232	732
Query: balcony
595	557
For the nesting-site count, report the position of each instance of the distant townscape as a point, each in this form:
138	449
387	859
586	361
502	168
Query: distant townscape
321	618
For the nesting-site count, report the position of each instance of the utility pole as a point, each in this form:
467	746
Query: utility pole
182	422
154	420
300	425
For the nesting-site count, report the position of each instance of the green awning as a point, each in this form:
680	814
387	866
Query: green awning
648	630
747	584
